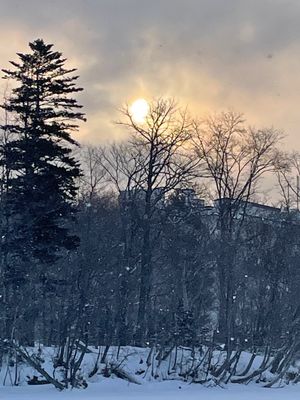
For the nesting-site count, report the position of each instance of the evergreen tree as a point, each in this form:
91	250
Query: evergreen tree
43	171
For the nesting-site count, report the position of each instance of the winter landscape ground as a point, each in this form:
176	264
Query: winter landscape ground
154	383
116	389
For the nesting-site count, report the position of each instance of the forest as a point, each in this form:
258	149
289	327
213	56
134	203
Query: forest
166	240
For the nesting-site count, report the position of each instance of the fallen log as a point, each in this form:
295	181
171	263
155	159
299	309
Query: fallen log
36	381
33	363
248	378
122	374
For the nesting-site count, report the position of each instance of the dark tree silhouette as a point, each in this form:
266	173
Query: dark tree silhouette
41	187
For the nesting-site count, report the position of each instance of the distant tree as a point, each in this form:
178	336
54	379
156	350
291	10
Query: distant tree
43	172
92	181
186	258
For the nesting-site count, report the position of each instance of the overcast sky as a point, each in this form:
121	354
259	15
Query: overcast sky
209	54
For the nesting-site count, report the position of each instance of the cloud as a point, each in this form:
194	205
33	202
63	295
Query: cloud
210	54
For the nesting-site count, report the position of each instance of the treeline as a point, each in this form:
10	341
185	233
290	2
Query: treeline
124	244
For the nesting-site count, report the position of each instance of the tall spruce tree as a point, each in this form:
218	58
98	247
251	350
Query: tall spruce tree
42	181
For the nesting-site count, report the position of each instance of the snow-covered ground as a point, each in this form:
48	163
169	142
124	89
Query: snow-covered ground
116	389
155	381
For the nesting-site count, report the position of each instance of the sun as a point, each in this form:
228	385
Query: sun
139	110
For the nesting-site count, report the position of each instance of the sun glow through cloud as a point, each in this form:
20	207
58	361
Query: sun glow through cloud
139	110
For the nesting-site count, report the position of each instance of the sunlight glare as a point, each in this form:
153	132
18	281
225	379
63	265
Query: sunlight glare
139	110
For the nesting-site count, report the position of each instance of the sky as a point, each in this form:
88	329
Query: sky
210	55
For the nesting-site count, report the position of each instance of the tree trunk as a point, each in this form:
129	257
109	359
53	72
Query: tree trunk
145	275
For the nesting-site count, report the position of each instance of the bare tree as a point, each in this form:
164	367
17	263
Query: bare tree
287	170
152	163
93	177
235	157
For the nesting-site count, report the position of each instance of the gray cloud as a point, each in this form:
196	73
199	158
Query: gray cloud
211	54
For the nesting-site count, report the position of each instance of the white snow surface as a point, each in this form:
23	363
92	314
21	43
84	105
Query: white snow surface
116	389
